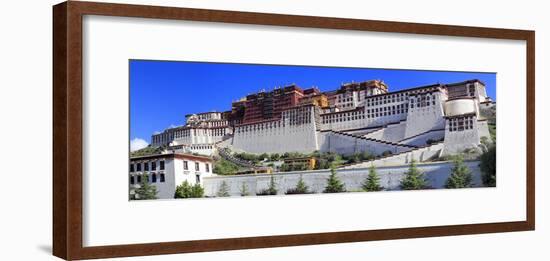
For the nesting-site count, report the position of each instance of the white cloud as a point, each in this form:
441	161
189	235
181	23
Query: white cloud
137	144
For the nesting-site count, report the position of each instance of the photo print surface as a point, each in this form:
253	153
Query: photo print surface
212	130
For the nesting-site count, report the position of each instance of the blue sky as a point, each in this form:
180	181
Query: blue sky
163	92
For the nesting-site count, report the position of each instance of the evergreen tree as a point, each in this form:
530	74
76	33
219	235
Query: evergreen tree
223	190
461	176
271	190
414	179
186	190
301	188
372	182
334	185
272	186
244	190
145	190
488	167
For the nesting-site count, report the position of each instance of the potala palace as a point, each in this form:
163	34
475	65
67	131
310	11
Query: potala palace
423	124
418	122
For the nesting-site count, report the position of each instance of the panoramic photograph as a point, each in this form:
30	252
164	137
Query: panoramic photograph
217	130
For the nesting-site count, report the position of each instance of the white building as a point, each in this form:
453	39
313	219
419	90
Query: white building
167	171
359	117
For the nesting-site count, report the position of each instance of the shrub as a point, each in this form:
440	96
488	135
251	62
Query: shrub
301	188
145	191
223	190
244	190
224	167
186	190
263	156
275	157
271	190
488	167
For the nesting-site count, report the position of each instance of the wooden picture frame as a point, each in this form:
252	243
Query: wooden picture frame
68	145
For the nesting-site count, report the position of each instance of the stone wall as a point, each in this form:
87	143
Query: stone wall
418	154
423	119
346	144
285	135
421	139
390	178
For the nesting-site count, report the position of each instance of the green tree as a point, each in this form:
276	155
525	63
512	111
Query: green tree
223	190
263	156
224	167
244	190
301	188
145	190
372	182
414	178
488	167
334	185
461	176
271	190
275	157
186	190
272	186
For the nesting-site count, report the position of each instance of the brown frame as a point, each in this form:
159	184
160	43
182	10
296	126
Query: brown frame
67	129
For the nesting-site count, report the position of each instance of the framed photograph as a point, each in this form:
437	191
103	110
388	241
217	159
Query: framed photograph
187	130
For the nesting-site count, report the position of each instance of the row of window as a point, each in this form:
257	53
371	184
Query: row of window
387	111
137	179
422	101
178	134
197	166
146	166
259	126
398	97
344	116
201	147
462	90
461	123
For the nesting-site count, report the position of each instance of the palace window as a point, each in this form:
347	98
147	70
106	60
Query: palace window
197	166
132	180
138	166
198	178
138	178
185	166
146	166
131	167
162	178
207	167
154	165
154	178
161	165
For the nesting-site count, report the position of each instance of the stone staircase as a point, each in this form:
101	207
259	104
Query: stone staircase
419	154
373	140
226	154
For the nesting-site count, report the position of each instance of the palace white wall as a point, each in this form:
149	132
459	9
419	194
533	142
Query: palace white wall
421	139
390	177
419	155
458	141
344	144
300	138
426	118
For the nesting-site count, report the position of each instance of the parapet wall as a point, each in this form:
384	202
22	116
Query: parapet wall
342	143
390	178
